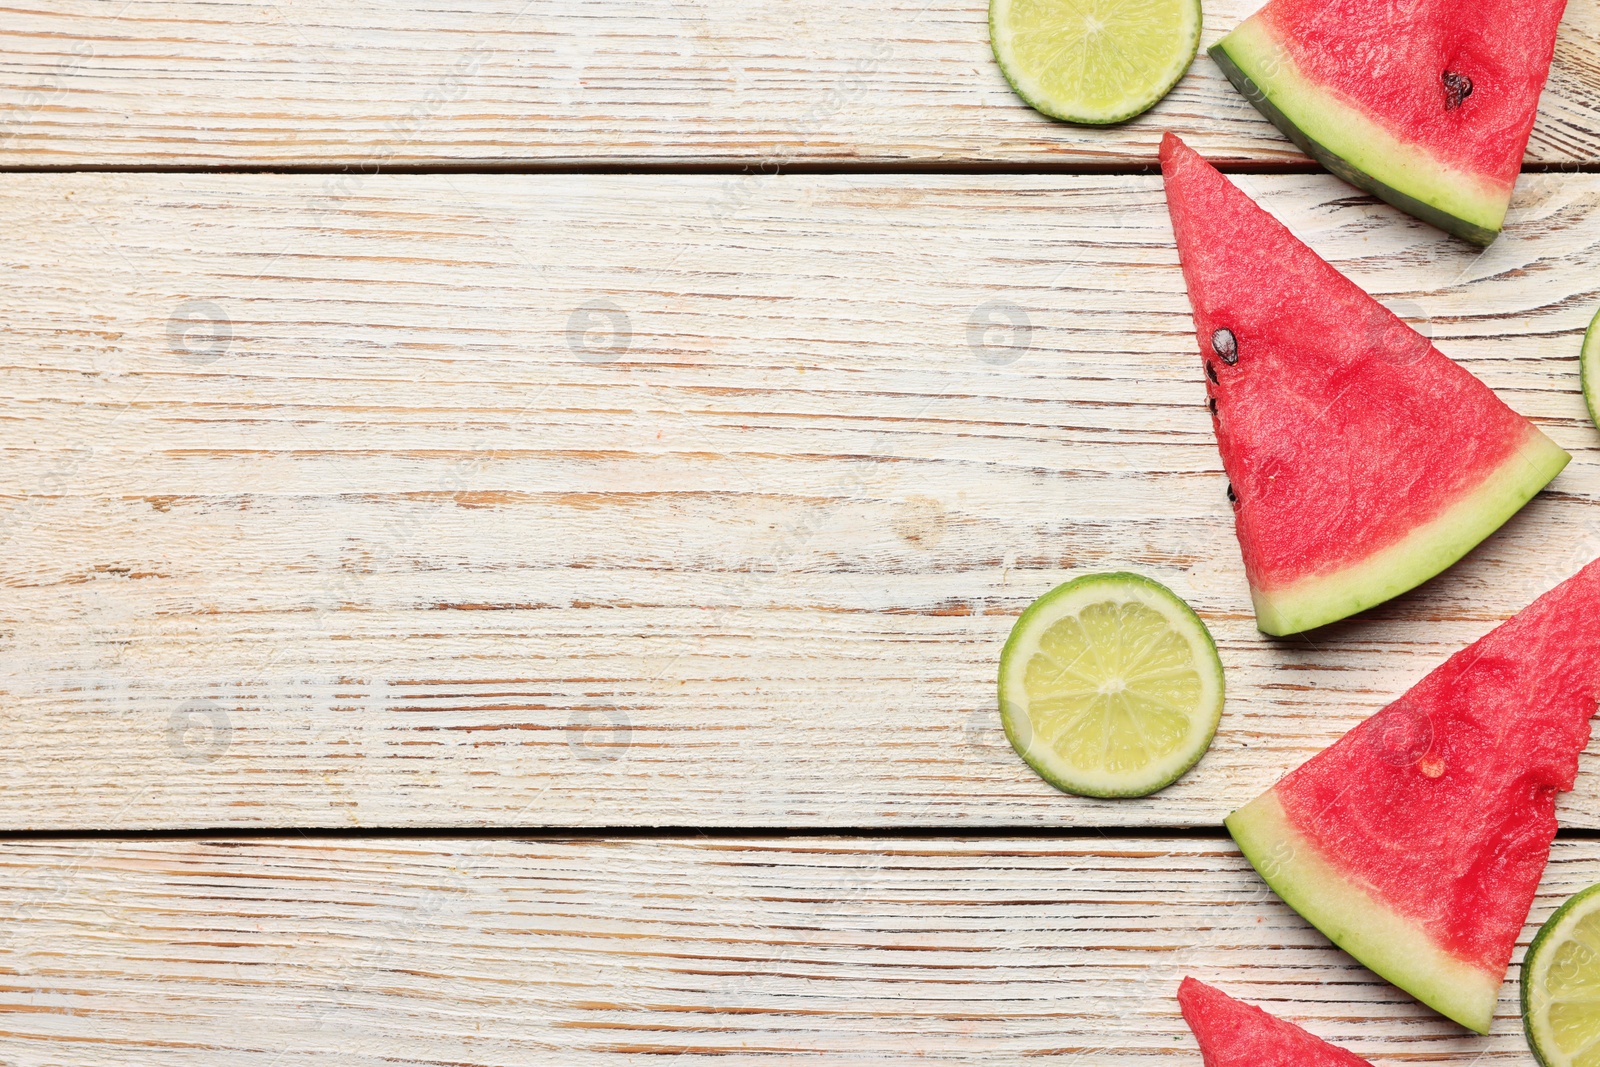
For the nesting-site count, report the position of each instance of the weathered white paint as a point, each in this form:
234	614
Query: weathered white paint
728	951
758	83
386	544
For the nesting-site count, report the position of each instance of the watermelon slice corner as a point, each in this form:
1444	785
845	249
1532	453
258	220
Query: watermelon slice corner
1416	842
1232	1033
1426	104
1362	461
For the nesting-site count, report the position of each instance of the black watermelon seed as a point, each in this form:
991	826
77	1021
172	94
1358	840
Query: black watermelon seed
1224	344
1232	496
1457	87
1213	405
1211	371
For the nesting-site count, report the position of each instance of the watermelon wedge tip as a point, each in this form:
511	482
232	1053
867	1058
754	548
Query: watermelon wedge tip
1232	1033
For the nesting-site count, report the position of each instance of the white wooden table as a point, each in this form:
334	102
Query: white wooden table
511	507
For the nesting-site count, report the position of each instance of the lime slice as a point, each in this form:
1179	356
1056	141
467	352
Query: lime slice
1590	369
1561	985
1110	686
1094	61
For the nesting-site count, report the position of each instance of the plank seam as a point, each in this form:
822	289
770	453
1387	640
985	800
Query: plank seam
866	170
648	833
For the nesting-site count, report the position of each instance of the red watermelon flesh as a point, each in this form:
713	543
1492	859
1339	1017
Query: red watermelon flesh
1390	59
1418	839
1427	103
1234	1034
1363	460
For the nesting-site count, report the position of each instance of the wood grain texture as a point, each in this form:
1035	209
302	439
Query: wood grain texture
575	953
753	83
336	507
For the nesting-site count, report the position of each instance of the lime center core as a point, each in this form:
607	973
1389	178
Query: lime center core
1113	687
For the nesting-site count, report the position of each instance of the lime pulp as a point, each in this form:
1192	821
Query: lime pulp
1110	686
1561	985
1094	61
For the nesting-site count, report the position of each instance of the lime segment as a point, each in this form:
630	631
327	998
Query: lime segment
1561	985
1590	369
1094	61
1110	686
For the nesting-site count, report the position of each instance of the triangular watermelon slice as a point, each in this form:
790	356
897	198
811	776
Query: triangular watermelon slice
1417	840
1363	461
1234	1034
1427	104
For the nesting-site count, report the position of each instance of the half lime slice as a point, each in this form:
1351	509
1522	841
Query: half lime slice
1589	365
1110	686
1561	985
1094	61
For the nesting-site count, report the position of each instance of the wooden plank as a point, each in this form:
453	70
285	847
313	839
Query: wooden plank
765	84
383	951
343	510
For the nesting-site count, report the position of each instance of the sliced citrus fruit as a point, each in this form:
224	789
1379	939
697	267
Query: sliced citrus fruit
1093	61
1561	985
1590	368
1110	686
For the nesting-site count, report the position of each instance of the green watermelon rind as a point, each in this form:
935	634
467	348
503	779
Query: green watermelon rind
1422	554
1392	945
1354	147
1589	370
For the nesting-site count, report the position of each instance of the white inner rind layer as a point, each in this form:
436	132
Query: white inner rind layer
1348	132
1391	944
1421	554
